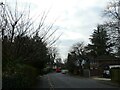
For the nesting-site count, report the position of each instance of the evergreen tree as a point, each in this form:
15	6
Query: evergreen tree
100	44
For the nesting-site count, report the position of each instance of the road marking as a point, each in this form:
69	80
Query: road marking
50	83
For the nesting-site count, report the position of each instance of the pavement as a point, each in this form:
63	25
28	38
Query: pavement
42	82
106	81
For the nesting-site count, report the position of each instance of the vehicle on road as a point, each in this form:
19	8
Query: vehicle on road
58	70
64	71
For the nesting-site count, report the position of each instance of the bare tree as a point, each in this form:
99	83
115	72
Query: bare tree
78	48
19	23
53	54
113	25
19	31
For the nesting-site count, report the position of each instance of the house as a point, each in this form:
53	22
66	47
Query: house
107	60
97	65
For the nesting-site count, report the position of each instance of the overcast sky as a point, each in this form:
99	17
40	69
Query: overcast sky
76	19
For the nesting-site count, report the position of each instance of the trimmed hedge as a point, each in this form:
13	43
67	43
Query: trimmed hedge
115	74
23	77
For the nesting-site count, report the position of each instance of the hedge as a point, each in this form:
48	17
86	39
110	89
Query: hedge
115	74
23	77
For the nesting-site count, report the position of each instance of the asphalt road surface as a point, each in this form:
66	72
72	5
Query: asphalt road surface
58	80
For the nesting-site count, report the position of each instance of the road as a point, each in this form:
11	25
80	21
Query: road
58	80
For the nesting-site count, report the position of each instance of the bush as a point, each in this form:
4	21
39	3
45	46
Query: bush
23	77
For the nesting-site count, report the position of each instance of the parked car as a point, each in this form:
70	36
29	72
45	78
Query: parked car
106	73
64	71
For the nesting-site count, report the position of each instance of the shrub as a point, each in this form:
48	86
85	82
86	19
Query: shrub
22	77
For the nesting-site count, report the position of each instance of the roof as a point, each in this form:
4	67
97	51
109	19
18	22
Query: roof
106	57
113	66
